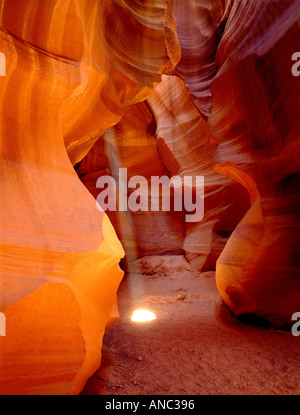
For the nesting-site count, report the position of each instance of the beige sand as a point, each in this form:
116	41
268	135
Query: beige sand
195	346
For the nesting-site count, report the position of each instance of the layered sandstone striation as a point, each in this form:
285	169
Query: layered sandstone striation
131	144
70	70
186	146
229	112
200	25
255	120
166	136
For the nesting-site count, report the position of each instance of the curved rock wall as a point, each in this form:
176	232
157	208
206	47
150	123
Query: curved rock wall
230	112
59	255
256	125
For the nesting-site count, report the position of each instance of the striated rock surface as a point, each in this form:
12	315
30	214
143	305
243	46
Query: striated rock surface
166	136
255	120
131	144
184	144
231	112
68	76
128	45
200	25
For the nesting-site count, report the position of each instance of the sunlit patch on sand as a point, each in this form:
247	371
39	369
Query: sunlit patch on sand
142	316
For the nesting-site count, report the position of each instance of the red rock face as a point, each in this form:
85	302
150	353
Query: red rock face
183	133
200	26
160	88
230	112
65	84
257	128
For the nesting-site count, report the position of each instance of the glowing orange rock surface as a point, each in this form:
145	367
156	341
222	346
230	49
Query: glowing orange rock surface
184	144
255	120
67	79
230	108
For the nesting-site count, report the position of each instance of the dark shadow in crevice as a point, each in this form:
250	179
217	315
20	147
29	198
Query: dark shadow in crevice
254	320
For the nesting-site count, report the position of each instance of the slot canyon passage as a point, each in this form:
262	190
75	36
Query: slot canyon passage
157	89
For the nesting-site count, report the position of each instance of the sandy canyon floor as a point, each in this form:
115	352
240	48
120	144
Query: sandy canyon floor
195	345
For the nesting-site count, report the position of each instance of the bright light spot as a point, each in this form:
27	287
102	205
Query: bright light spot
143	315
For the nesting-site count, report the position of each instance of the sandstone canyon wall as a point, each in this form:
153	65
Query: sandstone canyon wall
229	111
67	80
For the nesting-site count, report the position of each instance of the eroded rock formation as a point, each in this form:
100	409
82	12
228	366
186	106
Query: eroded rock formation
229	111
67	80
256	124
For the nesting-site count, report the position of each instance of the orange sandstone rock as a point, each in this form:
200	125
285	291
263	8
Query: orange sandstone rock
240	81
65	84
200	26
255	120
183	142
